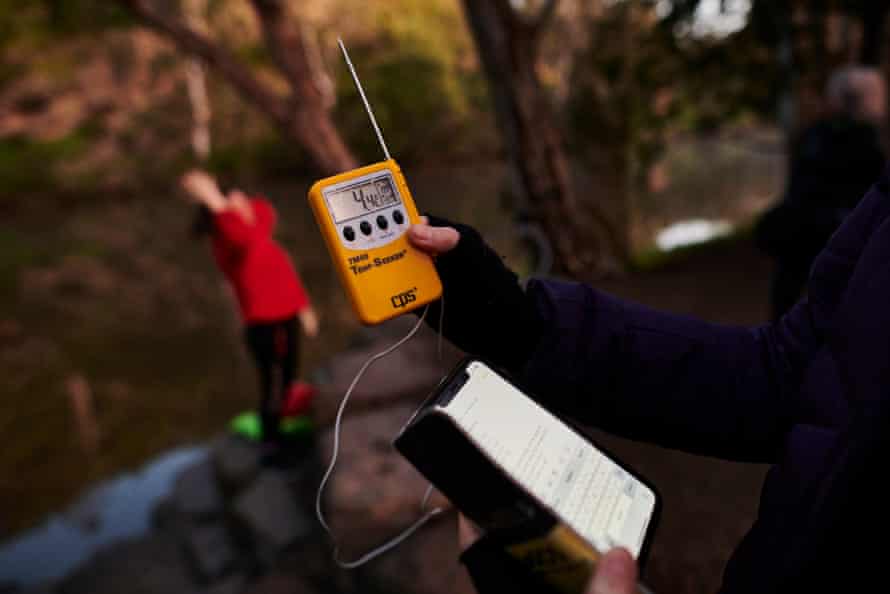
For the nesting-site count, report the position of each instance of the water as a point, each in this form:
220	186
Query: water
691	232
110	512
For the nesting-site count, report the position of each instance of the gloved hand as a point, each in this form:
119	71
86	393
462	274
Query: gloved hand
487	313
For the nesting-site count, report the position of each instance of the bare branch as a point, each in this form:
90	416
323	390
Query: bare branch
192	42
320	76
288	47
309	106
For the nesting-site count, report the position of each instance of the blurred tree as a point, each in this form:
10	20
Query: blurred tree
419	69
303	112
793	46
622	87
507	35
815	37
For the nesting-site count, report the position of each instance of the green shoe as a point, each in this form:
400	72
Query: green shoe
249	426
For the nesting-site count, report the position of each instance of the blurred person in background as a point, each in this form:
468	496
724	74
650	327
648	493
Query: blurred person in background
833	163
267	287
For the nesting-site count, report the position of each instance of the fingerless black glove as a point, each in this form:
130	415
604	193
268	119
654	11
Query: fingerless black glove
487	313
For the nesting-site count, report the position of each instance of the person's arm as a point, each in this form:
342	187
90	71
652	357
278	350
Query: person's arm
200	187
309	321
648	375
232	226
486	311
607	363
664	378
306	314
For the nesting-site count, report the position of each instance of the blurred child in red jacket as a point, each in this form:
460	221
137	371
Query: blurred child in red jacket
268	289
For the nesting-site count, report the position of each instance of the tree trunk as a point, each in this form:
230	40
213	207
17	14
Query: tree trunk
303	115
315	131
507	46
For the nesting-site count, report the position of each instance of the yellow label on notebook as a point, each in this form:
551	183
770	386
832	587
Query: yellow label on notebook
561	558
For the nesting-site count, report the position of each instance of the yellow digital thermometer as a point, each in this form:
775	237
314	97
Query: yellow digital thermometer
364	215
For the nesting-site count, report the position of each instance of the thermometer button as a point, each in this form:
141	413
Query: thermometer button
398	217
366	228
382	222
349	233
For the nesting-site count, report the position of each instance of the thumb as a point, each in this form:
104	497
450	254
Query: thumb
616	573
433	240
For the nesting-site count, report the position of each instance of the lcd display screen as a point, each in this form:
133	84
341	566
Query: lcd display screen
362	198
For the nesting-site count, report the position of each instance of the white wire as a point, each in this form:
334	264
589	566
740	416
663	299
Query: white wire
389	545
426	498
336	451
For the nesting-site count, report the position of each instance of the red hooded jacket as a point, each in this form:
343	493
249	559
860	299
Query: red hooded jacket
260	271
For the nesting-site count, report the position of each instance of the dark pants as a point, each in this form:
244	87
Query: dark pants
275	348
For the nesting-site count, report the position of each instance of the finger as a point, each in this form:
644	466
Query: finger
434	240
467	534
616	573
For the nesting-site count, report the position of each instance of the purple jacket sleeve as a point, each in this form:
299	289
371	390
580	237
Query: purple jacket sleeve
680	382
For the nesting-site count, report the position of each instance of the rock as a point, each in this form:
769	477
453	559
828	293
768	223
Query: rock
427	563
151	565
409	372
166	517
303	476
318	376
211	549
279	583
314	560
196	492
237	462
231	585
374	492
271	515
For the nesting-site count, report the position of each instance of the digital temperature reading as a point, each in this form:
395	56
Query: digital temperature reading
362	198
